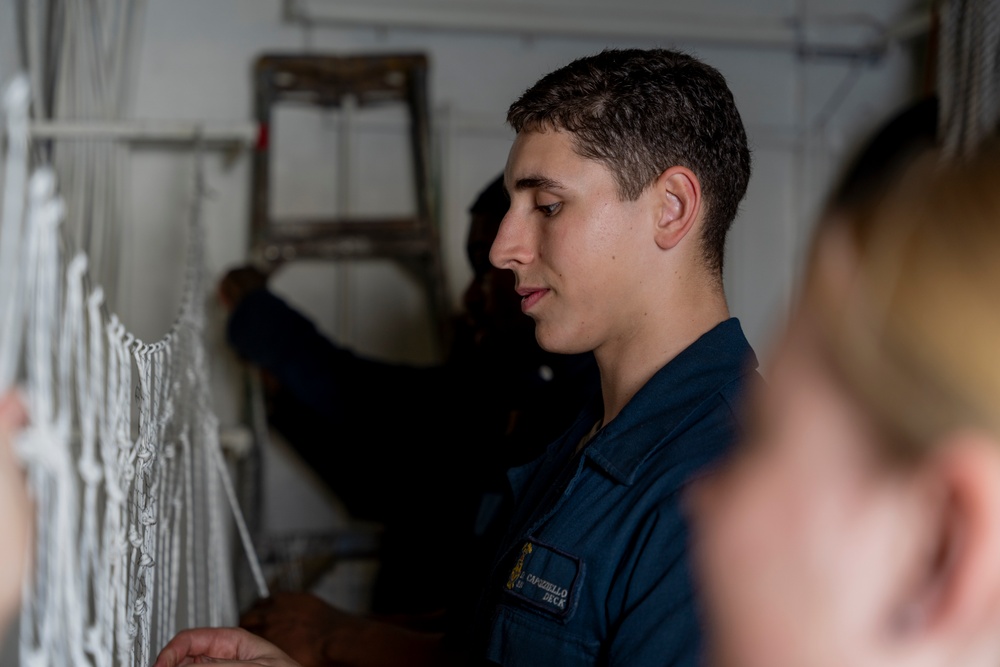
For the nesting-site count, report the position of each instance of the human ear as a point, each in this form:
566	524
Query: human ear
678	195
960	593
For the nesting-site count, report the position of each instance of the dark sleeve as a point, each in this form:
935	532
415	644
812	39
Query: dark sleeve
655	596
658	622
267	332
354	420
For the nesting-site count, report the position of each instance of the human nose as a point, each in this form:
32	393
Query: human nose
512	244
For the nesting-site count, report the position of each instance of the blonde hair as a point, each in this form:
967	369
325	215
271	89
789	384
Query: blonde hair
906	291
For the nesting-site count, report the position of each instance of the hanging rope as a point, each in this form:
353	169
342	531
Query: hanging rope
122	451
81	58
968	73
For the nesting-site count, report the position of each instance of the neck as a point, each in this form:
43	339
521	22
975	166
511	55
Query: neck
628	364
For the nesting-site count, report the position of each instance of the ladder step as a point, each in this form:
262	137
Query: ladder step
326	80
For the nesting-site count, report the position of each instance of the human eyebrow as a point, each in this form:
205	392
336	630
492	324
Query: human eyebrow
537	183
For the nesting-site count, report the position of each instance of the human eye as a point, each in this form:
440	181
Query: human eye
549	210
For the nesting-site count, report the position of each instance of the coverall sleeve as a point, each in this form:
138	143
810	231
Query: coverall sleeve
658	620
267	332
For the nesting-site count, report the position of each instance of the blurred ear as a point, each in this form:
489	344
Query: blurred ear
678	194
960	596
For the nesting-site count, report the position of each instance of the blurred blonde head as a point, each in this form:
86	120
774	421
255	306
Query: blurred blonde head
860	523
906	291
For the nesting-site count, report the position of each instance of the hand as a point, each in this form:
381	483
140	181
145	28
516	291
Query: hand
15	509
238	283
300	624
217	645
316	634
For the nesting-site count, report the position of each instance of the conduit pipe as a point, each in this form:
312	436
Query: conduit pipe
150	131
854	36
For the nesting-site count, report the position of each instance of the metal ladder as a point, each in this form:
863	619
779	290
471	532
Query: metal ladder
413	241
365	81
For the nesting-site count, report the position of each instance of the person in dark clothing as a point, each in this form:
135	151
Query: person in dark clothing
625	175
421	450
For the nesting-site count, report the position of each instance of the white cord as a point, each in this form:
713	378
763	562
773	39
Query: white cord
122	452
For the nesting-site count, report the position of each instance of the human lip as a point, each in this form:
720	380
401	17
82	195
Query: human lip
530	296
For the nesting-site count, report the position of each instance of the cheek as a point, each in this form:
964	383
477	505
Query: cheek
738	548
766	552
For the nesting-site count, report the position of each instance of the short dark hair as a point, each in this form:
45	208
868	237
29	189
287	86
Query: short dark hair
642	111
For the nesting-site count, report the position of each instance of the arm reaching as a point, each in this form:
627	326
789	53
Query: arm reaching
317	634
239	282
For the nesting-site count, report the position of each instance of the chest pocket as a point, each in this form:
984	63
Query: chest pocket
546	579
539	597
521	638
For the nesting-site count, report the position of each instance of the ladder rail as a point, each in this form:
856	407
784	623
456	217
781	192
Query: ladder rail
370	80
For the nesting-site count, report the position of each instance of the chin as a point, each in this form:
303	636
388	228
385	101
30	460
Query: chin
551	348
546	343
557	344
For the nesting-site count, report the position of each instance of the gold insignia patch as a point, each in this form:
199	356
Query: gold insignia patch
515	573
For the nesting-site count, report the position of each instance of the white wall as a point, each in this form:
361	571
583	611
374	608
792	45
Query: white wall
195	64
803	114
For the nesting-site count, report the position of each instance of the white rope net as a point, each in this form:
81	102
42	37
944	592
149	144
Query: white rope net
81	58
122	452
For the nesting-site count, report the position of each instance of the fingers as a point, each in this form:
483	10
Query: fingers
239	282
15	507
12	412
216	644
13	417
190	644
